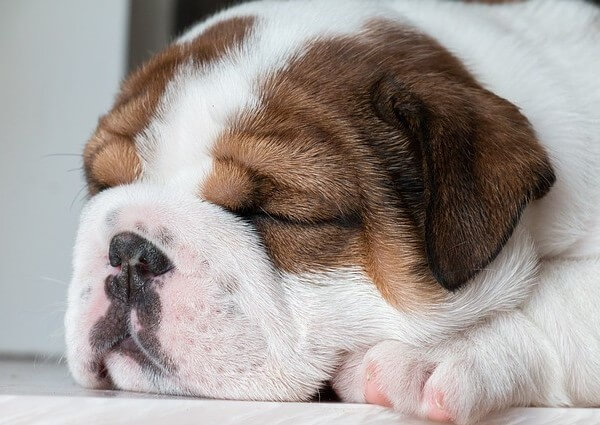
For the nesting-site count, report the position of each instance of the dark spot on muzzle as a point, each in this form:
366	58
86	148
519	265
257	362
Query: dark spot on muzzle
164	236
133	289
111	328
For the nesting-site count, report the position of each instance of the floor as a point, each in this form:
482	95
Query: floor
37	392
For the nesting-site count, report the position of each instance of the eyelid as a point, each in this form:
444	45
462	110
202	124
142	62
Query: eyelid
254	212
350	221
250	213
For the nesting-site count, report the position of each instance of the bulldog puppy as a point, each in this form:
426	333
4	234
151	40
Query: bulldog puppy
402	197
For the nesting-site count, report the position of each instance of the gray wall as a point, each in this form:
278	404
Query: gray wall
60	65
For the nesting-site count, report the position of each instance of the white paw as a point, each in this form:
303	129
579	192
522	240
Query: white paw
416	383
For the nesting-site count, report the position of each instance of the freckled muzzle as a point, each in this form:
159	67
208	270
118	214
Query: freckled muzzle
181	298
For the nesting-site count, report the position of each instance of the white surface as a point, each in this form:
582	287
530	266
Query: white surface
61	65
42	393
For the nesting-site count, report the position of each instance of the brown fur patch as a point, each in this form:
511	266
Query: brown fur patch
330	182
140	93
379	151
116	163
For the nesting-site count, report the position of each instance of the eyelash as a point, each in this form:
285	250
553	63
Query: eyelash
250	215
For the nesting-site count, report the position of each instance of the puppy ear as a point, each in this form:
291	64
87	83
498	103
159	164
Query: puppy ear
480	165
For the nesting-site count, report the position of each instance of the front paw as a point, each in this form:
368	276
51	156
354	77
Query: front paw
413	382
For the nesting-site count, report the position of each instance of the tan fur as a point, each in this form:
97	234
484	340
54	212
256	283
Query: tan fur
139	97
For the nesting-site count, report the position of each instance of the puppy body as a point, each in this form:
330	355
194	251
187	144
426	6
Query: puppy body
237	321
539	59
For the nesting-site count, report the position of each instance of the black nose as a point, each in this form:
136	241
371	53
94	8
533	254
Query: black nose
140	261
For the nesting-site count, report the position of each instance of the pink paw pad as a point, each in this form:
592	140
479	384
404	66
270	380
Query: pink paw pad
436	407
373	393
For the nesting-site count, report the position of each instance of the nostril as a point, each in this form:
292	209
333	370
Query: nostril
130	248
140	261
143	264
163	270
114	259
156	263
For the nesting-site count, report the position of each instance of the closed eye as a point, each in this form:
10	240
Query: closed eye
249	214
260	214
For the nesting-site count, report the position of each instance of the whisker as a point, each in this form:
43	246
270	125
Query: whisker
51	155
56	334
57	307
56	311
76	197
51	279
267	213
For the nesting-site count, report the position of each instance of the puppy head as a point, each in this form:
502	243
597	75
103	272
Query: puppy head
257	220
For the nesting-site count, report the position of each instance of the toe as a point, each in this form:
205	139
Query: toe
373	393
436	408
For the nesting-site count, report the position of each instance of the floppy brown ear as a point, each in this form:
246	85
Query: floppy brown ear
480	165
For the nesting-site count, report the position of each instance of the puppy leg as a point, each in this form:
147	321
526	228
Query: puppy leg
504	362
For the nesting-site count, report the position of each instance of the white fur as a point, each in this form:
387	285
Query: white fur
526	328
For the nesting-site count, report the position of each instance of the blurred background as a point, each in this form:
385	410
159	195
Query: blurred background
62	62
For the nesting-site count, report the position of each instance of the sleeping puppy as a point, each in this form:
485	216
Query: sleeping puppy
399	195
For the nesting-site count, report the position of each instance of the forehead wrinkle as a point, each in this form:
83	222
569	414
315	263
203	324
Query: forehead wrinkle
191	117
201	102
